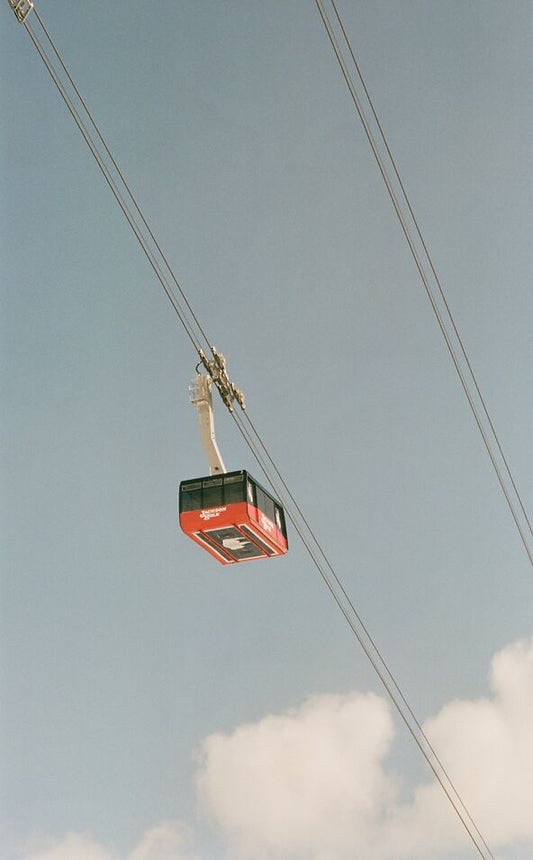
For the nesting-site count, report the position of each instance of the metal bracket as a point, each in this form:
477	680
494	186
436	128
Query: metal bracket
216	368
21	8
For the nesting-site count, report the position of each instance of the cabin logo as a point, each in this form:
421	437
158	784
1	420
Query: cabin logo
209	513
235	543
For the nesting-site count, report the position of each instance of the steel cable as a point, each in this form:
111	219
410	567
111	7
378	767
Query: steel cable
426	281
130	217
431	265
362	634
122	178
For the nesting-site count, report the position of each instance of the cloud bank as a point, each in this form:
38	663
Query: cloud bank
487	746
169	840
305	782
313	783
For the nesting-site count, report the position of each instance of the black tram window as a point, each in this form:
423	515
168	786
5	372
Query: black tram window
265	503
191	496
280	520
250	489
260	496
233	489
212	493
269	507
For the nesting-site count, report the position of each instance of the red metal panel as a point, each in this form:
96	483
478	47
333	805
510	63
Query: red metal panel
234	533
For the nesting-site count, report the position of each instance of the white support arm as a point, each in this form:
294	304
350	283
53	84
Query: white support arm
200	396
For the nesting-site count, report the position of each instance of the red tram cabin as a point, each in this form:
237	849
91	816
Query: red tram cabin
232	517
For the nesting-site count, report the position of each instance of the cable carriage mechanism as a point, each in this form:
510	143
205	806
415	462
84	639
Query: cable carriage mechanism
229	514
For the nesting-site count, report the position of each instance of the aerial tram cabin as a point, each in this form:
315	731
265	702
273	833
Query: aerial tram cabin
229	514
233	517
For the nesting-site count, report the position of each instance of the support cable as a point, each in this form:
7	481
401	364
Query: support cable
360	630
121	176
431	265
521	527
118	194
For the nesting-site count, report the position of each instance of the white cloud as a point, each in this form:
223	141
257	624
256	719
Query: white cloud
75	846
312	782
168	840
308	781
487	747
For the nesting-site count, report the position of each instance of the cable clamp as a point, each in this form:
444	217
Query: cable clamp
216	368
21	8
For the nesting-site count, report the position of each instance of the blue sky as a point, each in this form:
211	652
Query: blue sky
141	679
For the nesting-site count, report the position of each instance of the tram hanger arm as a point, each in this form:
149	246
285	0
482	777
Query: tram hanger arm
200	396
